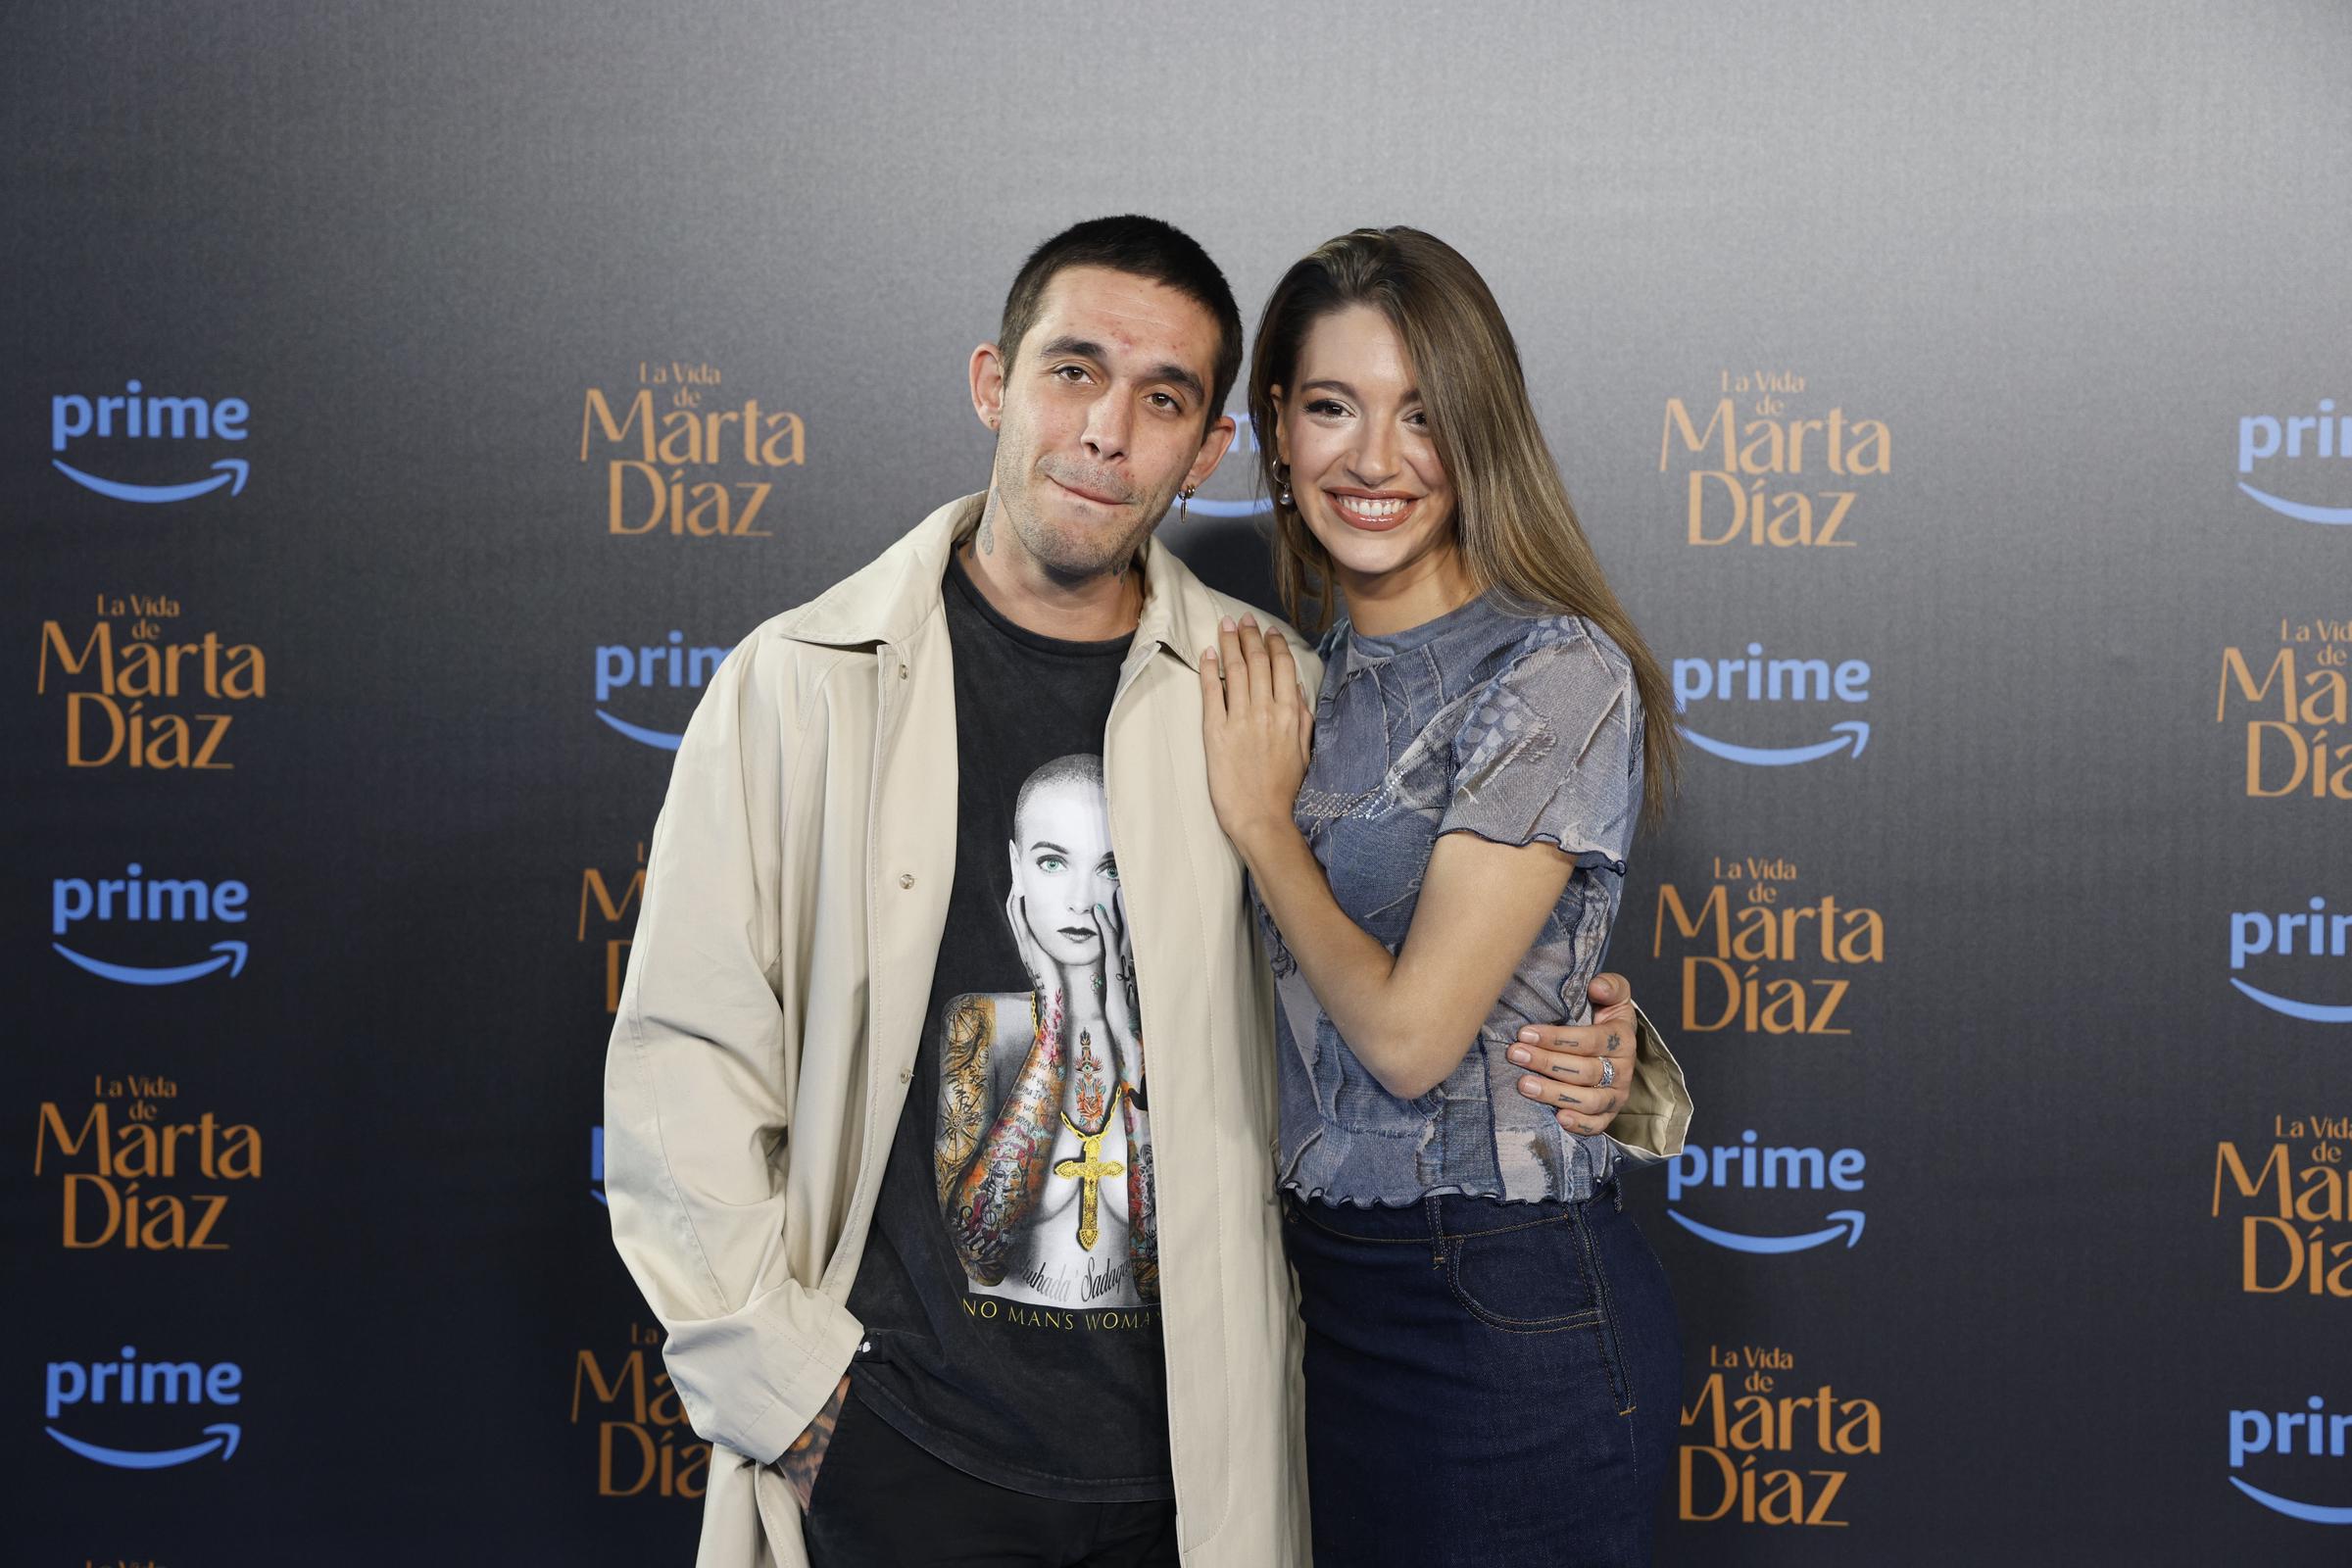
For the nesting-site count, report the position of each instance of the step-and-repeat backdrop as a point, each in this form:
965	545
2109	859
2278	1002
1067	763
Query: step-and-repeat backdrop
406	404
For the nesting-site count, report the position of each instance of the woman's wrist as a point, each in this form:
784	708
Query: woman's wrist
1261	839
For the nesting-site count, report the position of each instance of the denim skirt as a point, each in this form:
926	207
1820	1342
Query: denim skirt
1487	1382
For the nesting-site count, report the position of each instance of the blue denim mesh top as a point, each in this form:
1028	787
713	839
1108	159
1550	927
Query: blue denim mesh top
1510	726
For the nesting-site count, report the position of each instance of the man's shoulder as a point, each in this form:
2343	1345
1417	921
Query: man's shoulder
772	652
889	597
1303	648
1228	605
1194	609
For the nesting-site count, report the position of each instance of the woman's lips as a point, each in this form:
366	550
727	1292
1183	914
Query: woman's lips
1078	933
1372	515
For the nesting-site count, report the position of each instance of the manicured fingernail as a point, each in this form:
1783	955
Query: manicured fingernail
1520	1057
1530	1036
1248	620
1210	654
1226	624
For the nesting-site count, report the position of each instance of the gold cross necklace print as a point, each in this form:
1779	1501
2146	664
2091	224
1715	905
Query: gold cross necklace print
1091	1171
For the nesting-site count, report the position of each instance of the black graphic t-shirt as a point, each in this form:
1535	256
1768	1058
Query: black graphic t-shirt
1011	1286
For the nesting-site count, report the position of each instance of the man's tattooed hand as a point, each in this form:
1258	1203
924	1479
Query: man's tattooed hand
801	1461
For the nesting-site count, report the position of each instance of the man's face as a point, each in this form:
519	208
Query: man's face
1099	420
1062	866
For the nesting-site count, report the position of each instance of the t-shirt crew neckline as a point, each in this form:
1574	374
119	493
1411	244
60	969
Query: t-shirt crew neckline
1062	647
1475	611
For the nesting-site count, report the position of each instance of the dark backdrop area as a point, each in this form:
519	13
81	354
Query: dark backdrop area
397	397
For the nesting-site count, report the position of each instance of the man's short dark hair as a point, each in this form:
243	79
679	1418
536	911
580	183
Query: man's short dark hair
1143	247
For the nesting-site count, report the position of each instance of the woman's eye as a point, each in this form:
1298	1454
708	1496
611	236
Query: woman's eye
1325	406
1110	869
1052	862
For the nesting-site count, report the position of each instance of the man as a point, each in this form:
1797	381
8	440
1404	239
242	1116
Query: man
938	1120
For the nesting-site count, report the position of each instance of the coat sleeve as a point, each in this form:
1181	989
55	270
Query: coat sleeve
699	1083
1657	1104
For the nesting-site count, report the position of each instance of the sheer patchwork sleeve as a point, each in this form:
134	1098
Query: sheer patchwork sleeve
1550	748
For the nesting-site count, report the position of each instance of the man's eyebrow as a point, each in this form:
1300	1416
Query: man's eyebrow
1087	349
1180	376
1082	348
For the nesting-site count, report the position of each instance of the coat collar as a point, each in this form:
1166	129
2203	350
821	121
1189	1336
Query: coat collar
889	599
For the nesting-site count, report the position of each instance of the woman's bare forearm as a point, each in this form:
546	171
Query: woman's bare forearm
1350	973
1410	1016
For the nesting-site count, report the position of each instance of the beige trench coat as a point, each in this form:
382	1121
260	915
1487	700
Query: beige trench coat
794	903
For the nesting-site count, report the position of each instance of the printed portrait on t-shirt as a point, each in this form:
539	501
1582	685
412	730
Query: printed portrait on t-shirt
1043	1152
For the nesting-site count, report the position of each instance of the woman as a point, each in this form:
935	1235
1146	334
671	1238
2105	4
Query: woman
1492	1357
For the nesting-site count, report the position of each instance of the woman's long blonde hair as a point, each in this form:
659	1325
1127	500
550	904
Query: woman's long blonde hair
1516	530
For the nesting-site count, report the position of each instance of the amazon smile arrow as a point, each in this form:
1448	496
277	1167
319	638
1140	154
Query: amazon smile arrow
643	736
232	473
1853	729
2285	509
1228	509
2309	1512
2308	1012
1846	1222
232	956
223	1436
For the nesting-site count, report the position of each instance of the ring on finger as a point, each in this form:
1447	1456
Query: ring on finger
1608	1073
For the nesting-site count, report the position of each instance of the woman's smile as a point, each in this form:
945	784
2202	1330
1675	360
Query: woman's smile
1373	510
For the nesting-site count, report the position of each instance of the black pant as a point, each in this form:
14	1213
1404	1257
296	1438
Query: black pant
880	1500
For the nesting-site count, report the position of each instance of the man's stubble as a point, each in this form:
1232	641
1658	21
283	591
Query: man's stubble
1070	557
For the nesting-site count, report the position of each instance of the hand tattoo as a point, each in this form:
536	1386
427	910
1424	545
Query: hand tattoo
801	1461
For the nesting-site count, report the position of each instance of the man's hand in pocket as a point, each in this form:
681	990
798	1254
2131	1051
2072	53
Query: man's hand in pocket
801	1461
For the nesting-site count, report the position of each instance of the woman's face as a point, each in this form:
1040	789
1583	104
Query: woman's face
1364	469
1062	866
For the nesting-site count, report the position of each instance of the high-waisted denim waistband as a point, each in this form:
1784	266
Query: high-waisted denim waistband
1440	1214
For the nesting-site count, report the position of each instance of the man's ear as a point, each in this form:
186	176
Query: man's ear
988	385
1212	449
